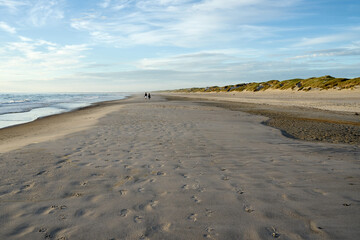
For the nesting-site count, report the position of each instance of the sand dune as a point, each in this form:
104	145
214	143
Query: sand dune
178	170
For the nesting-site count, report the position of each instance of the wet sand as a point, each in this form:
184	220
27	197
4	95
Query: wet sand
346	100
174	169
329	115
303	123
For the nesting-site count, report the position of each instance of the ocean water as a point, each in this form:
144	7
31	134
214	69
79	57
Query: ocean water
18	108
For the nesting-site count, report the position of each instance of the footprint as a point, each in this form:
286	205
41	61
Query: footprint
59	207
50	210
209	229
148	206
248	209
185	175
274	233
147	166
143	237
239	191
138	219
77	194
153	204
124	212
165	227
225	178
196	199
185	186
195	186
192	217
208	212
160	173
123	192
48	236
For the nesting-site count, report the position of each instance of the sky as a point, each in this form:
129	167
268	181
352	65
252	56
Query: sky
147	45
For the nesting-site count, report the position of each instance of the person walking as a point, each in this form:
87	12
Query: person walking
149	96
145	96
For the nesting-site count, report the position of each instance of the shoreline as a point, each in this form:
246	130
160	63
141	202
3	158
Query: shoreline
55	126
23	108
92	105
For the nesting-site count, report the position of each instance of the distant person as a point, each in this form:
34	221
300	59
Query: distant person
145	96
149	96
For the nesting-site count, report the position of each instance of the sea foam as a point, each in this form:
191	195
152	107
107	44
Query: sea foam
18	108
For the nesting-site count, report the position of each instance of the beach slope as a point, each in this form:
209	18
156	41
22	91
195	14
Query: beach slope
177	169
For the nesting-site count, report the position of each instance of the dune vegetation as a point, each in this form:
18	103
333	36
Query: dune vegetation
298	84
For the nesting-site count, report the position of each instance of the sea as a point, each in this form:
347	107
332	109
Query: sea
18	108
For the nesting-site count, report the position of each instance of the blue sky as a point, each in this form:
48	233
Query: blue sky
146	45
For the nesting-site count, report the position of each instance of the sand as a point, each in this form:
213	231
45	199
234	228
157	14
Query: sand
175	169
303	115
53	127
346	100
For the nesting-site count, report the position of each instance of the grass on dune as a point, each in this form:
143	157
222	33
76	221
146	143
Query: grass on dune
320	83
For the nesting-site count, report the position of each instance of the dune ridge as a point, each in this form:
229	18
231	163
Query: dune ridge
315	83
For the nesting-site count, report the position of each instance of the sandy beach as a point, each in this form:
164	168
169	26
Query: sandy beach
176	167
329	115
346	100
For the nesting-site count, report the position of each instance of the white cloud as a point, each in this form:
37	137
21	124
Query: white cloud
192	62
211	5
45	10
321	40
344	34
333	52
5	27
13	4
39	60
61	67
25	39
105	3
180	23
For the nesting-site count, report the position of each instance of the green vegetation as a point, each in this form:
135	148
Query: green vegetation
298	84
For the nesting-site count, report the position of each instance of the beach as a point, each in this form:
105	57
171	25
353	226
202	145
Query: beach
196	166
329	115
